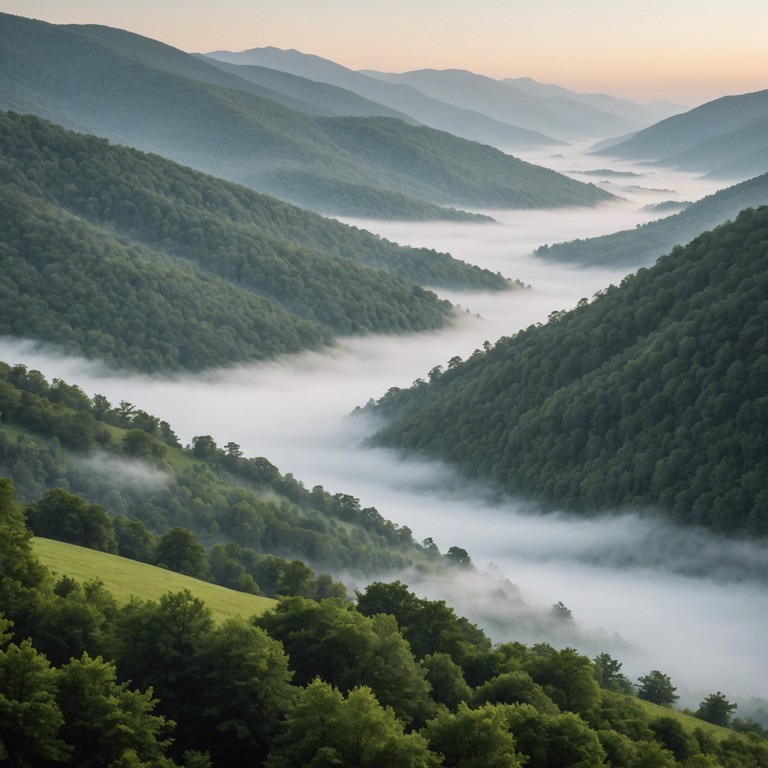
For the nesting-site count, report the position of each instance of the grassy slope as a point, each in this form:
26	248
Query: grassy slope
689	723
125	578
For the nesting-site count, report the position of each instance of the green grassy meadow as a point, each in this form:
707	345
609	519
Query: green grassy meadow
126	578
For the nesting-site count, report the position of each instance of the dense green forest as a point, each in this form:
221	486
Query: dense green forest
644	244
143	93
654	395
122	459
130	258
395	680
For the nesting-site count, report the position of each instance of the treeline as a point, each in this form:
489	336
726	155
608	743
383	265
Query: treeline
644	244
655	394
65	517
395	680
53	435
130	258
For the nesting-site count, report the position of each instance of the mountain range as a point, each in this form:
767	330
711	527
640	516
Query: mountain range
148	95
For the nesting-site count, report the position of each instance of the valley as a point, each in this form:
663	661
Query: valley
644	591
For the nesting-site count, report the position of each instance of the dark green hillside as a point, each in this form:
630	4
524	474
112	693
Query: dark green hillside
156	98
150	265
65	282
654	395
645	243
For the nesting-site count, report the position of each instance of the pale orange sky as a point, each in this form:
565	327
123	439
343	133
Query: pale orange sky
677	50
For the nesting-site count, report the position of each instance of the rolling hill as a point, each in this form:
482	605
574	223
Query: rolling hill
145	94
653	396
644	244
725	138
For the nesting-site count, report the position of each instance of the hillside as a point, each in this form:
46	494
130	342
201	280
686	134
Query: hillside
725	138
126	578
652	396
103	245
644	244
156	98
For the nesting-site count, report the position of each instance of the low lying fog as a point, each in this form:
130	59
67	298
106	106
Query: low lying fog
686	604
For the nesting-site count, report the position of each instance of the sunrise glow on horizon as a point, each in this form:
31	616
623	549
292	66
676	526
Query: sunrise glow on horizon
652	51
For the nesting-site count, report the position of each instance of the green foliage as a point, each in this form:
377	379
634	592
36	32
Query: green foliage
30	718
657	688
473	738
105	722
716	709
324	728
61	515
654	394
332	640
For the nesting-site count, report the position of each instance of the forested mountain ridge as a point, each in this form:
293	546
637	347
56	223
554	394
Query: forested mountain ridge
151	96
644	244
655	395
725	138
209	272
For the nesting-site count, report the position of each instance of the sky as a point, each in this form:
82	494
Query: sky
657	50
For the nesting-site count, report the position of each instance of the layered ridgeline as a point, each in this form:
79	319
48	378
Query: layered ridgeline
646	242
726	138
131	258
654	395
148	95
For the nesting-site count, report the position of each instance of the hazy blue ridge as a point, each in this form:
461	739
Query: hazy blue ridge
642	245
148	95
726	137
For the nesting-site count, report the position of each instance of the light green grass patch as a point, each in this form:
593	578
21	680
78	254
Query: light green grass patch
688	722
126	578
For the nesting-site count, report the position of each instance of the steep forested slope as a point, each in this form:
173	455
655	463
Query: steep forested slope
642	245
654	395
156	98
134	259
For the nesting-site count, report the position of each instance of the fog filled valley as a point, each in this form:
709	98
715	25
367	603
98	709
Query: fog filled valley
641	589
355	415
